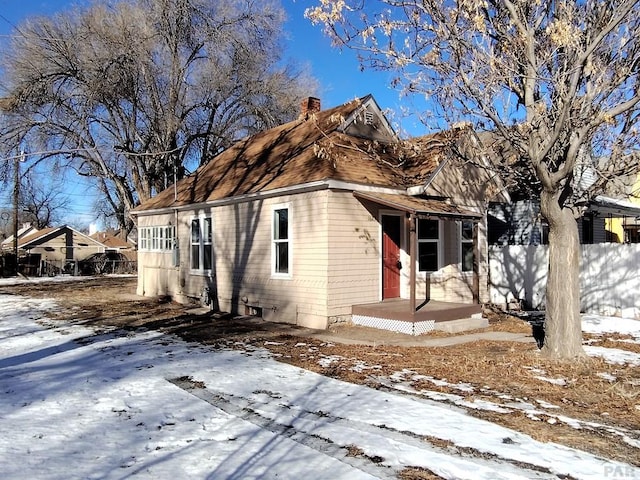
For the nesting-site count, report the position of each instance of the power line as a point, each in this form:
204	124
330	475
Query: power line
9	22
92	149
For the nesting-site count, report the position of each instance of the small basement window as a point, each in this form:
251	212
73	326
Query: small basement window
253	311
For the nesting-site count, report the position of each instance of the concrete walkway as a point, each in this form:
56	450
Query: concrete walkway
372	337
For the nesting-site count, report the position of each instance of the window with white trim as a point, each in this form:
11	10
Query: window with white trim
201	244
280	240
157	239
466	246
428	245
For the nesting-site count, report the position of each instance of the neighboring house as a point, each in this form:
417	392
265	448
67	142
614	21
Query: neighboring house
113	242
25	230
312	220
627	227
520	222
56	249
119	255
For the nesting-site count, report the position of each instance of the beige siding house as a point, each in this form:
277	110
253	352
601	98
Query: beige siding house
304	222
57	249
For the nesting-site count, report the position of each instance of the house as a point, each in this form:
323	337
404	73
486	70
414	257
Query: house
26	229
325	219
520	222
119	255
113	242
626	228
56	250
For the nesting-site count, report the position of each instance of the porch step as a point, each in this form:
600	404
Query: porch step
396	316
420	327
463	324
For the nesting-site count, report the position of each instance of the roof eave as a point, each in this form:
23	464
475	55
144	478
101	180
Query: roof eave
328	184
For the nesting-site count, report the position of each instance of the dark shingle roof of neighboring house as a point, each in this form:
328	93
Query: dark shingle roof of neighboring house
41	236
111	241
308	150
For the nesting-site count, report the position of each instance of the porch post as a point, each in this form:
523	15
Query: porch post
476	265
412	262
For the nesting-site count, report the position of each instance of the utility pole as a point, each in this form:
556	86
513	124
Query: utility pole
16	195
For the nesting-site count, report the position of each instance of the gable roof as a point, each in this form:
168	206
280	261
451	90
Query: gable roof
111	241
42	236
26	229
340	144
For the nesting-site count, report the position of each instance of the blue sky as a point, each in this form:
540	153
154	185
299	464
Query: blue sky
337	71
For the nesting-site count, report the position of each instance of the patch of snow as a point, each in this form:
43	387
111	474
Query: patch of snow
555	381
614	356
360	366
607	376
328	360
546	405
598	324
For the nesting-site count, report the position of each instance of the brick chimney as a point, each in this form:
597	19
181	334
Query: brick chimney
309	106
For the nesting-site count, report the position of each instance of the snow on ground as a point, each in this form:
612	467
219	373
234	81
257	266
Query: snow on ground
600	325
9	281
81	404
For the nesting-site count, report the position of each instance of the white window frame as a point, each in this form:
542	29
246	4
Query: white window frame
437	241
142	240
157	238
467	242
202	243
275	242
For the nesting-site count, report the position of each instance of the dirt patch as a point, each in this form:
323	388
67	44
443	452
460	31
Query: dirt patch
590	405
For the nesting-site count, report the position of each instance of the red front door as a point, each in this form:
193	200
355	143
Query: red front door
391	256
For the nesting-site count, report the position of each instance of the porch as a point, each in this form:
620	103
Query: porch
396	315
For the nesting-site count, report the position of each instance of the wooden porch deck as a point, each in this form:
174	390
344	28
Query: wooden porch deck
396	315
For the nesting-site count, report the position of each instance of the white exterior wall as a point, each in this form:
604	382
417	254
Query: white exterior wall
336	259
609	277
243	261
156	273
354	260
242	257
55	249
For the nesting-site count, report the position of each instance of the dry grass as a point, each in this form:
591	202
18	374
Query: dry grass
605	398
502	373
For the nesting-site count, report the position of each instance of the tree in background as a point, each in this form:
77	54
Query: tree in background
42	201
42	205
555	81
132	93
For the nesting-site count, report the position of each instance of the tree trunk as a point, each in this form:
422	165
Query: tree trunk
563	328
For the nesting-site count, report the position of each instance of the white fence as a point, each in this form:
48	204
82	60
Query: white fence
609	277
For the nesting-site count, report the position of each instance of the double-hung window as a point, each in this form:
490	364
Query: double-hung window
281	241
201	244
428	245
466	245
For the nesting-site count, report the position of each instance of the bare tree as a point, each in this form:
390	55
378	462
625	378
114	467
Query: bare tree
132	93
41	203
557	81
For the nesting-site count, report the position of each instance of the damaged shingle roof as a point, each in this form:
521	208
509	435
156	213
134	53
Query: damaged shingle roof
304	151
